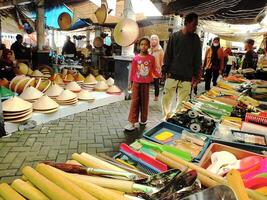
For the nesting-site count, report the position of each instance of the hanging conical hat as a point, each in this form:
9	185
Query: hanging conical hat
4	92
30	83
64	21
114	90
110	81
66	95
45	103
90	79
31	93
37	73
73	86
54	90
22	69
79	77
16	104
101	14
85	95
100	78
126	32
101	86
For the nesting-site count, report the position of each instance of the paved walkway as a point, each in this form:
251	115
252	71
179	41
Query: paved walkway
95	131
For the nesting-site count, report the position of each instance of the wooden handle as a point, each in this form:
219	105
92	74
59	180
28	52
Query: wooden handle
91	161
171	163
28	190
8	193
236	183
49	188
63	182
121	185
195	167
97	191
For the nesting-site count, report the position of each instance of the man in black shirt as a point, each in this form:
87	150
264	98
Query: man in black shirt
20	51
182	61
69	47
251	57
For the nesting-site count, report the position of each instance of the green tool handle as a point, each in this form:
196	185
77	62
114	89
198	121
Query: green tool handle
151	145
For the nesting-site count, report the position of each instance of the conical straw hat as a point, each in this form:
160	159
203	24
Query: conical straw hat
47	111
54	90
58	80
110	81
73	86
44	85
100	78
66	95
29	72
85	95
45	103
31	93
114	90
16	104
22	119
21	84
22	68
37	73
101	86
68	78
101	14
17	113
14	82
20	115
90	79
79	77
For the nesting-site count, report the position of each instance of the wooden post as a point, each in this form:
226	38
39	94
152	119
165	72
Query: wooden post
40	25
128	13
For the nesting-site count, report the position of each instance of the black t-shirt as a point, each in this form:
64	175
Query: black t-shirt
20	51
250	60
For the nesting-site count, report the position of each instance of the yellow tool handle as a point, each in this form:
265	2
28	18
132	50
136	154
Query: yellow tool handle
236	183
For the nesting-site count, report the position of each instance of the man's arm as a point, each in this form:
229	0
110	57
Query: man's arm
197	58
168	56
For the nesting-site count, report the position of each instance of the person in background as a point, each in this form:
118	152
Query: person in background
7	65
156	51
251	57
21	52
182	60
230	62
141	75
213	63
69	47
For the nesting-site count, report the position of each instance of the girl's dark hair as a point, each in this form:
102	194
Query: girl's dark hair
144	38
190	17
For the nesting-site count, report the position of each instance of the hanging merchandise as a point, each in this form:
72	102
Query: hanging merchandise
101	14
126	32
64	21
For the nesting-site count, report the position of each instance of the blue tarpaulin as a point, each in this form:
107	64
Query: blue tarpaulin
51	18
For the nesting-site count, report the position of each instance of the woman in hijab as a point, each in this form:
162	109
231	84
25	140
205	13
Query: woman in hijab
157	51
213	63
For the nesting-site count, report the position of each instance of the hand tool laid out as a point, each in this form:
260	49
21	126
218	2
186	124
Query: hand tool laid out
167	148
85	170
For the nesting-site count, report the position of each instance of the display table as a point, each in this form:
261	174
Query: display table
101	99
